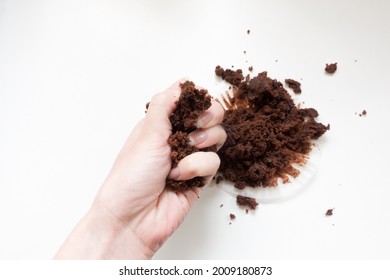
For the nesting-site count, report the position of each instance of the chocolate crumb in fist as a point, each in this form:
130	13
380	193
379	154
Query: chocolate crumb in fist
294	85
192	102
246	201
331	68
266	133
329	212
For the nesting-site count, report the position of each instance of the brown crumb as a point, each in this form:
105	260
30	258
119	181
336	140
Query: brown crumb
331	68
232	216
329	212
248	32
246	201
246	211
294	85
250	68
220	206
364	112
218	180
192	102
244	52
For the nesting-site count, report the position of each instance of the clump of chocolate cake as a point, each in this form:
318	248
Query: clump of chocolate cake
294	85
192	102
246	201
331	68
266	132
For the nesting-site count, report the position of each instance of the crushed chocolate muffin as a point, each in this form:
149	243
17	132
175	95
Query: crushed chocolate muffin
246	201
266	133
294	85
192	102
331	68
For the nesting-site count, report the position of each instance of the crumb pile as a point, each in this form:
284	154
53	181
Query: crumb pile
192	102
267	133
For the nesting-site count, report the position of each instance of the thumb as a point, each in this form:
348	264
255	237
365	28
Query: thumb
161	107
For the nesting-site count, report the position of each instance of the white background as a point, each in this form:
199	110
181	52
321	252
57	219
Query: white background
75	77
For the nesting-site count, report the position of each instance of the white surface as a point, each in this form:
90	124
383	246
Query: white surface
74	79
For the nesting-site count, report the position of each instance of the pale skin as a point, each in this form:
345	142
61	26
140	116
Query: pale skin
133	213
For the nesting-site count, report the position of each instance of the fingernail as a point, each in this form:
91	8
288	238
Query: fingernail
197	137
204	119
175	173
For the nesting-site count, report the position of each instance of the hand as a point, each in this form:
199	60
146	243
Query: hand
133	214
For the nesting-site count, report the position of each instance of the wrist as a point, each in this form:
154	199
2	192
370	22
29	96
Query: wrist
100	236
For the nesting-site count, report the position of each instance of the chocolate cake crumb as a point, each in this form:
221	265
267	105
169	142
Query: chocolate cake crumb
364	112
248	32
231	76
246	201
266	133
250	68
232	216
218	180
294	85
244	52
192	102
246	211
331	68
221	205
329	212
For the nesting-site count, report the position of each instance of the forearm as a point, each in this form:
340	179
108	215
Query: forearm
97	236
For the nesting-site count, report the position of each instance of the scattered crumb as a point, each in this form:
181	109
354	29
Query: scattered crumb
329	212
250	68
248	32
220	206
246	201
363	113
219	179
244	52
276	60
294	85
230	223
246	211
331	68
232	216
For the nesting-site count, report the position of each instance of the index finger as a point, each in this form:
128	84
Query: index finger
212	116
